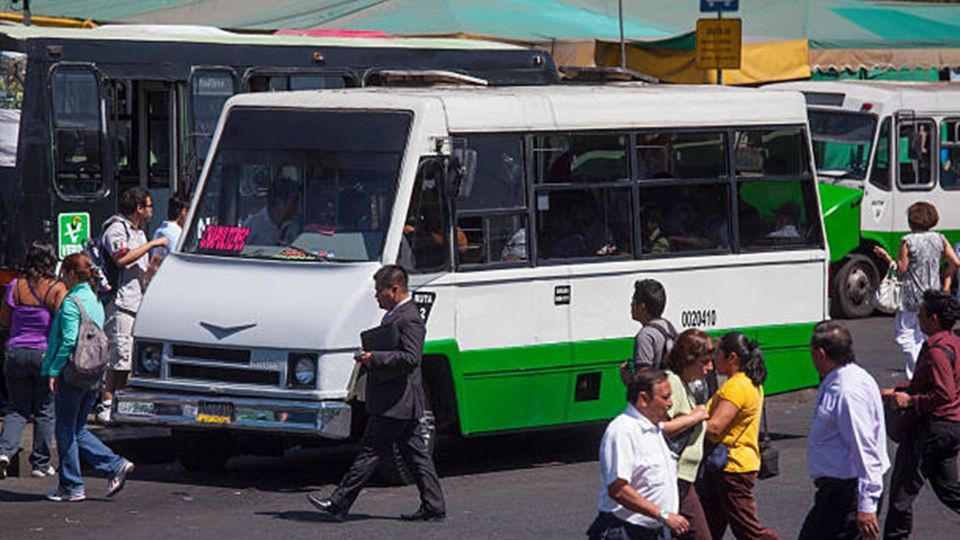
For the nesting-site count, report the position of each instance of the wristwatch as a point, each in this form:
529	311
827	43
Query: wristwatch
663	516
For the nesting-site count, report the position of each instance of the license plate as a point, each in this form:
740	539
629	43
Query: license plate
215	412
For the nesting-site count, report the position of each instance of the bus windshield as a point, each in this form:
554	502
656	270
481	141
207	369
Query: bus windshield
842	142
301	185
11	99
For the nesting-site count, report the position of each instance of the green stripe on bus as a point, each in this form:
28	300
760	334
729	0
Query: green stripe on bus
516	388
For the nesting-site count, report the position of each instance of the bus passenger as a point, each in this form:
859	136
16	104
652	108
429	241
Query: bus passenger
653	240
689	362
516	247
918	264
735	412
787	216
273	224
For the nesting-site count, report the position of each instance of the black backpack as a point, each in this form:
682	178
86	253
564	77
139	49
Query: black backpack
101	258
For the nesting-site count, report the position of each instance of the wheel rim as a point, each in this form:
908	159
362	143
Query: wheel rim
859	288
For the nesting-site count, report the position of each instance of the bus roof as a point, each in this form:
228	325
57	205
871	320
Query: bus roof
211	35
548	108
885	95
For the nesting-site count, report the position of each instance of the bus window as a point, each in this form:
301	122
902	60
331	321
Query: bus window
776	203
841	142
916	145
121	120
282	82
77	129
492	212
684	192
424	248
880	173
12	72
950	153
583	199
158	138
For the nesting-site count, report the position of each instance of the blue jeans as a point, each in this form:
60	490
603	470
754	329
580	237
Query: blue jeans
75	442
29	396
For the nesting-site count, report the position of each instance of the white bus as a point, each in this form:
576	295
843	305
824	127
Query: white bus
865	199
524	216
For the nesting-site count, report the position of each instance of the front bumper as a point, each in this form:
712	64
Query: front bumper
330	419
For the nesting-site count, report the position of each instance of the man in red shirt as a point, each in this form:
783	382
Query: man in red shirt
932	398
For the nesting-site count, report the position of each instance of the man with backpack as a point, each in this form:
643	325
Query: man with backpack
126	253
656	336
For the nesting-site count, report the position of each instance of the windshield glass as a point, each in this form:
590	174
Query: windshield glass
841	142
301	185
14	67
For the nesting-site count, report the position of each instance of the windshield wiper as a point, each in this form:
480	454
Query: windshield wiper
316	256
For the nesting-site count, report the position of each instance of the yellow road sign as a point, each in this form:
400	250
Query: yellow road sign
718	43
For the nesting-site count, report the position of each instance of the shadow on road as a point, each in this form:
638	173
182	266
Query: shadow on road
320	517
304	469
10	496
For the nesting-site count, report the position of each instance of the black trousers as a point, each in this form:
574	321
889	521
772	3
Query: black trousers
377	444
607	526
932	454
834	512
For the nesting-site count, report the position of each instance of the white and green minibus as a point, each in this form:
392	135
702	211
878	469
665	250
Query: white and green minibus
524	216
868	182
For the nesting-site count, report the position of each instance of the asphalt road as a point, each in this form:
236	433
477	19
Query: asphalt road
534	485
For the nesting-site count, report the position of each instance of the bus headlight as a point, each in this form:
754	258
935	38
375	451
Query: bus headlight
302	371
148	358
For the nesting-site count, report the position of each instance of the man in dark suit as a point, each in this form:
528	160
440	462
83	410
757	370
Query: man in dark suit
395	405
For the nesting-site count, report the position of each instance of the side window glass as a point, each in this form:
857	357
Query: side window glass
776	199
77	131
950	153
492	211
916	144
684	192
584	197
880	173
424	245
209	90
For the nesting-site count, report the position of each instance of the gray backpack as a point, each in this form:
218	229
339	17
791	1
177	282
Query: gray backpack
88	361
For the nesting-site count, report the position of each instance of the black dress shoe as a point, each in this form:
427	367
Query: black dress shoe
326	505
422	514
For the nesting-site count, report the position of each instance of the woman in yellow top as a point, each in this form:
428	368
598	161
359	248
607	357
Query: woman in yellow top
735	423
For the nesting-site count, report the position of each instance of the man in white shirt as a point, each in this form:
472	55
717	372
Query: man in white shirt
172	227
638	473
847	446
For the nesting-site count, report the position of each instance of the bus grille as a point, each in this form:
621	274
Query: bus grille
223	374
233	356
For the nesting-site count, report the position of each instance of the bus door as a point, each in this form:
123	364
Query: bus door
83	198
877	210
916	159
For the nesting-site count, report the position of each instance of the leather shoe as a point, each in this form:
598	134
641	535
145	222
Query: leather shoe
326	505
422	514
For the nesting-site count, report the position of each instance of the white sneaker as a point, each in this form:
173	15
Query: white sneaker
59	496
119	478
4	463
103	412
43	472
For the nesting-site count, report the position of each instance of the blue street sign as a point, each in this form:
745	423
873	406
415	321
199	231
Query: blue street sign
717	6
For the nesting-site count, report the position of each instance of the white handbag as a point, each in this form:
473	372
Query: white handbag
887	296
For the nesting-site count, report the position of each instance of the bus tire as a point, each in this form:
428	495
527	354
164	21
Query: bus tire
853	287
394	471
202	451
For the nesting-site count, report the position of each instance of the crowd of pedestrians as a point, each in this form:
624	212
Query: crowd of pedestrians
679	464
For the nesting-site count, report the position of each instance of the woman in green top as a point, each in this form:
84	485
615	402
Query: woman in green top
690	360
73	404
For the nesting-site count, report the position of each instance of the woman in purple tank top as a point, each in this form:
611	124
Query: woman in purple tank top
26	308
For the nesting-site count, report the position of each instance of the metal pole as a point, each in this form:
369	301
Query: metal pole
623	45
26	12
719	71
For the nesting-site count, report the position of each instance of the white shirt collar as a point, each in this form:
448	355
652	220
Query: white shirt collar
645	423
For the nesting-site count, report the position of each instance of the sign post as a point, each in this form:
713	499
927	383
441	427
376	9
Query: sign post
73	231
718	44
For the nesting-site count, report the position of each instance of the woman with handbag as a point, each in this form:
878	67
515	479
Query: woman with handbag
918	264
690	360
734	424
72	403
27	309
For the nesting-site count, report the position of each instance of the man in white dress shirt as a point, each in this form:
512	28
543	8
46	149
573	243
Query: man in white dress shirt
638	497
847	446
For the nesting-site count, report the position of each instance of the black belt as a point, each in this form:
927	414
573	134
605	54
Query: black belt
824	482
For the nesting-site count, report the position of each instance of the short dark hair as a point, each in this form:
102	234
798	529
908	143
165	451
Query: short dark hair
391	275
650	293
944	305
175	205
282	189
922	216
835	340
644	381
131	199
